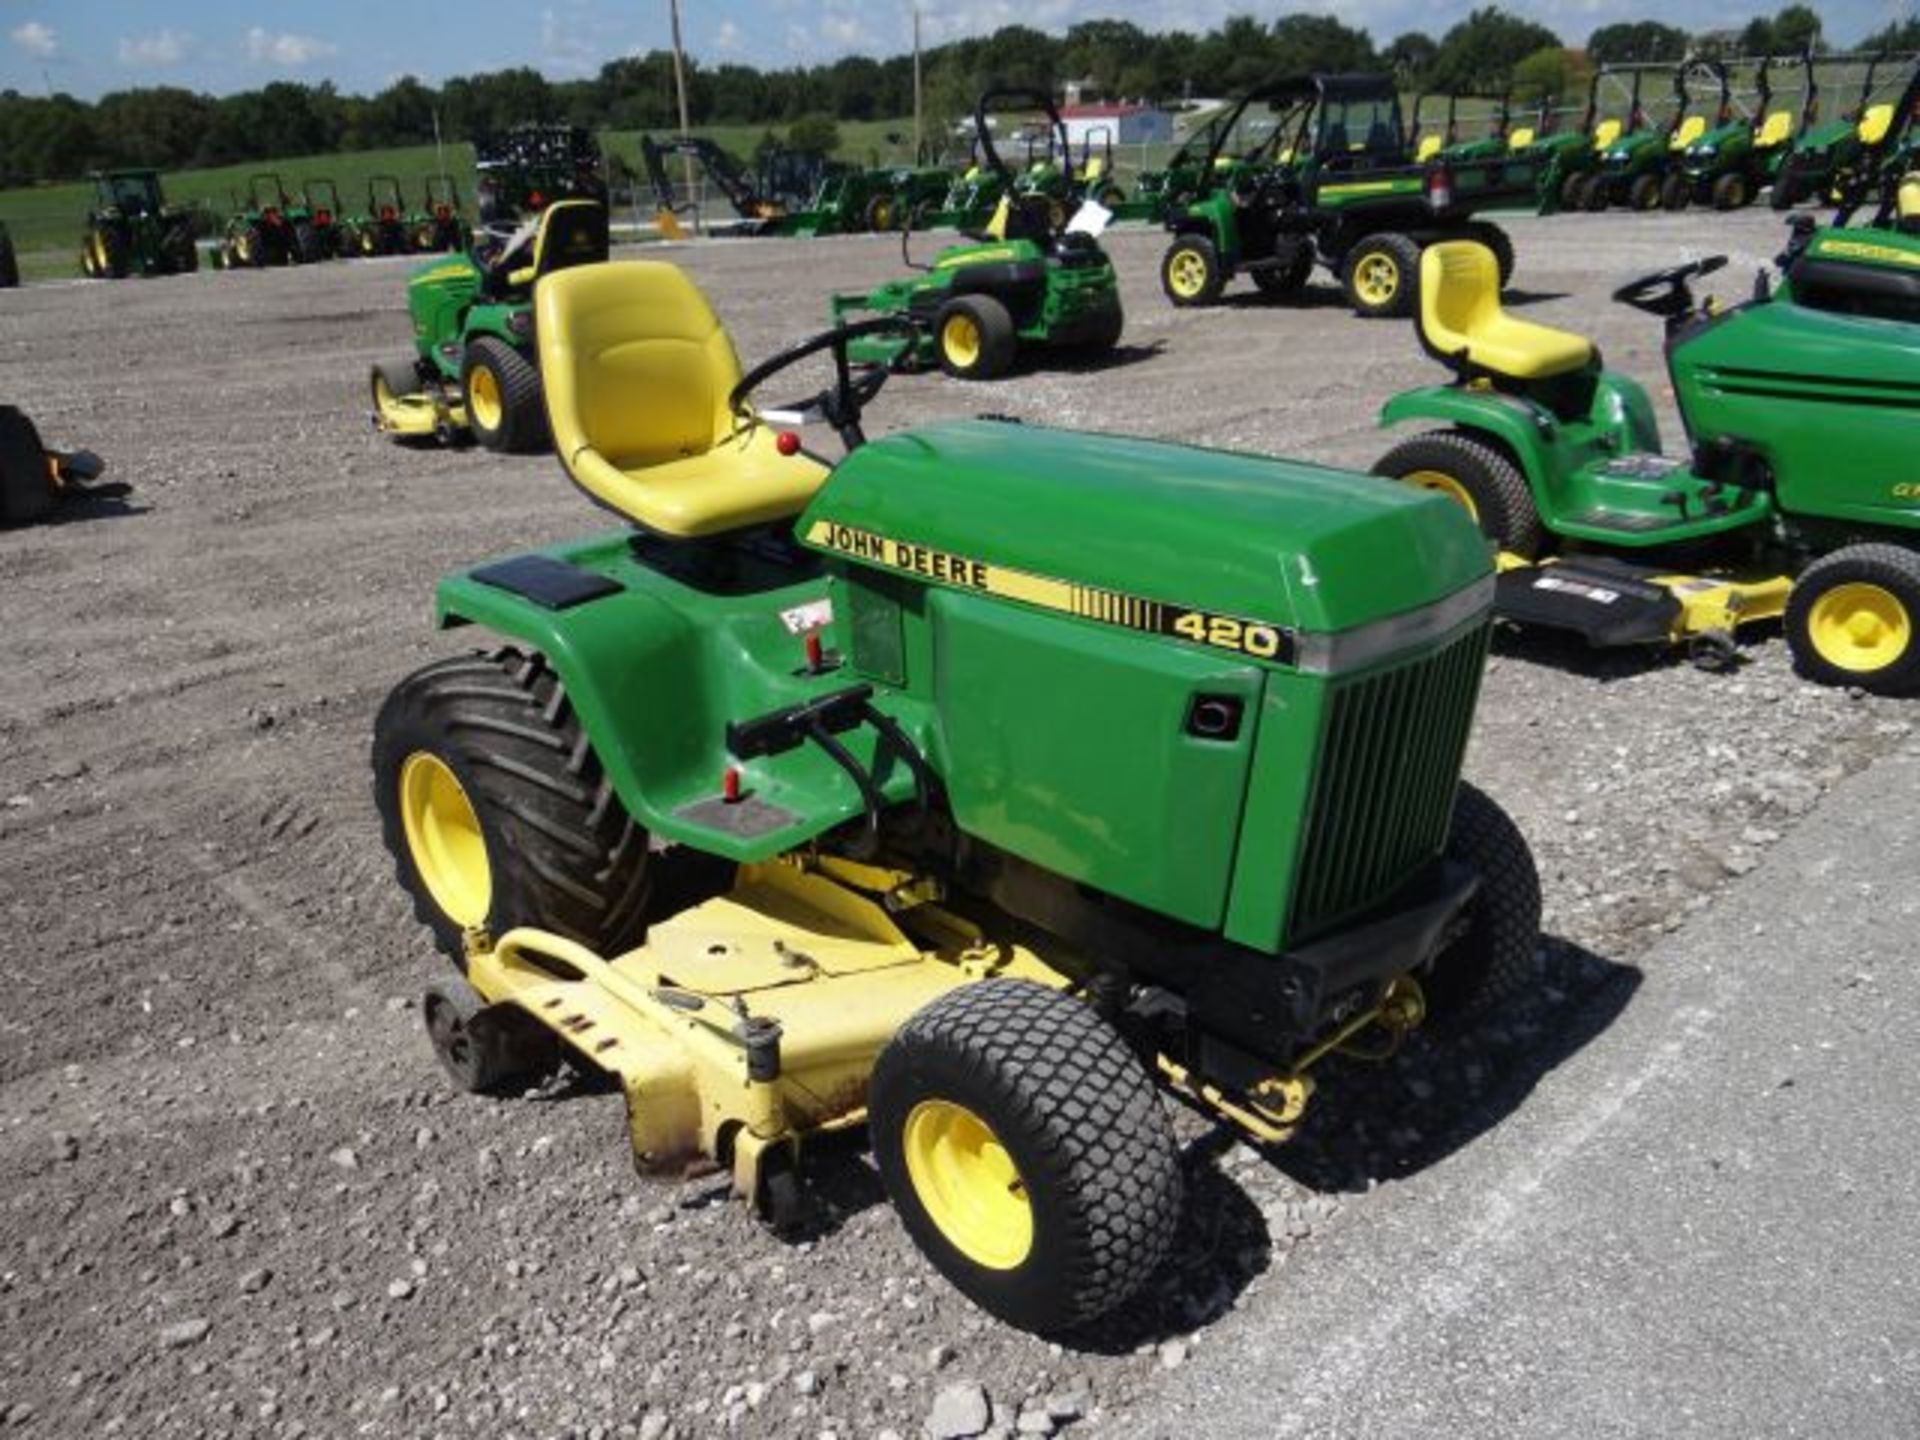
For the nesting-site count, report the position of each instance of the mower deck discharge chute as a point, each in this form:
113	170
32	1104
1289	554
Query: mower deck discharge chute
1025	810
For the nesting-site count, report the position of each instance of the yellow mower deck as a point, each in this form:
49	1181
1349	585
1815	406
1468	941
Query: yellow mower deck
1710	605
419	413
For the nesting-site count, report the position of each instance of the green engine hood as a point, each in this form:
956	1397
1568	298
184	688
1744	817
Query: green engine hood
1287	544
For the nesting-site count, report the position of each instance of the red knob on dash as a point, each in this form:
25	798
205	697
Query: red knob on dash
730	785
787	443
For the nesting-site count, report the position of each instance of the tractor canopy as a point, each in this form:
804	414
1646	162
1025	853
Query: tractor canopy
999	507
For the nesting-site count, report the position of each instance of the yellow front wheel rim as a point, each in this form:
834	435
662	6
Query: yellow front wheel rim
1187	273
483	398
1444	484
968	1184
1860	627
444	840
1376	279
960	340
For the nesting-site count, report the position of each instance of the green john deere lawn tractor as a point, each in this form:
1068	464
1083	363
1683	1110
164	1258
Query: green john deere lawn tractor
1019	285
1827	152
1741	155
1633	148
269	228
33	479
1009	813
1797	500
473	370
131	229
1334	185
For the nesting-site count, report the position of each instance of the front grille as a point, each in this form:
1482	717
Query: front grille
1391	747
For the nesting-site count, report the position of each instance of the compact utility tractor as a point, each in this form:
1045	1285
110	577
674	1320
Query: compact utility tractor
1021	284
382	229
1827	152
473	369
9	261
1633	147
327	235
1012	809
268	228
131	230
1335	184
441	228
1797	501
524	169
34	479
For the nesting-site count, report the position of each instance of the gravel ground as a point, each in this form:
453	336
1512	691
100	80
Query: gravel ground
242	1200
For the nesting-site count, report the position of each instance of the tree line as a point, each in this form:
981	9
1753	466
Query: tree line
59	137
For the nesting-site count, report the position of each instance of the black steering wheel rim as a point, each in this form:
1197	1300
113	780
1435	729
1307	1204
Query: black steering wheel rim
840	406
1673	278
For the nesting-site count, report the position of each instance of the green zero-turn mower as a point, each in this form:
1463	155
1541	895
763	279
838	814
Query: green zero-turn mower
268	228
1015	809
34	479
1799	498
131	230
474	369
1335	184
1741	154
1022	283
1826	152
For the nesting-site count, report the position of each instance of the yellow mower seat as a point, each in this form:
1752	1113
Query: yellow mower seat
1429	147
1461	319
570	232
1776	129
1605	133
1691	129
1520	138
637	370
1875	123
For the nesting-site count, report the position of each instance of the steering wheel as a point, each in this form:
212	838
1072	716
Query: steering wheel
1666	293
841	405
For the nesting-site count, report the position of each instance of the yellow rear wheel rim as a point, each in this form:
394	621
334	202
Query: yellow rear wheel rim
444	840
1860	627
960	340
483	398
1376	279
1187	273
968	1184
1444	484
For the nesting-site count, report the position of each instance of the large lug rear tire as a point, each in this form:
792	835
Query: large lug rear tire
307	246
1597	194
26	485
974	337
501	390
1573	190
1853	618
1493	959
497	811
1382	276
1027	1153
1190	272
1477	474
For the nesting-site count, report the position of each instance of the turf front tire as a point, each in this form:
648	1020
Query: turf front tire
1730	192
1027	1153
974	337
497	811
1382	276
1477	475
1190	272
1493	959
1644	193
501	391
1676	192
1853	618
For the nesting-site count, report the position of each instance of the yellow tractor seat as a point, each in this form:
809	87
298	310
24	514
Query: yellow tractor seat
1605	133
567	232
637	370
1520	138
1096	167
1691	129
1874	124
1462	323
1429	147
1776	129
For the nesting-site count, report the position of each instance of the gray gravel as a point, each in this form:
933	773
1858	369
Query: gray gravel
217	1108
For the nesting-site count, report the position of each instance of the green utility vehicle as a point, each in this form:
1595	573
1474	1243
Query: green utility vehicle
441	227
1333	184
1796	500
132	230
268	228
1826	152
1011	813
525	168
1020	284
473	368
330	236
1739	156
1435	129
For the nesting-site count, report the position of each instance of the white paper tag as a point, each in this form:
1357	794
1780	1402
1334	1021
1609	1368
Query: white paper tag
814	615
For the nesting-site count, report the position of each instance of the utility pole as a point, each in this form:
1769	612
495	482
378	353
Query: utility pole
918	137
680	88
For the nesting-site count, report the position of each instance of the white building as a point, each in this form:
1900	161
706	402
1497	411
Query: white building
1126	124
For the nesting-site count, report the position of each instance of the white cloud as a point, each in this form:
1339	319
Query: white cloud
727	37
290	51
169	47
37	40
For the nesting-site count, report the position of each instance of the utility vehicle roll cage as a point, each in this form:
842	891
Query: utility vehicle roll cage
1884	164
1300	100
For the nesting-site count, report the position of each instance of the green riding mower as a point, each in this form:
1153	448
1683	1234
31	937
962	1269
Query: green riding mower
1796	502
34	479
1632	149
474	369
1740	154
991	813
441	228
1020	284
268	228
1334	184
131	230
1826	153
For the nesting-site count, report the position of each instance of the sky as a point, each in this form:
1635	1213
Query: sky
88	47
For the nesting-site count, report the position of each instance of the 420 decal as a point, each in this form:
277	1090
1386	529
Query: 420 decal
1090	602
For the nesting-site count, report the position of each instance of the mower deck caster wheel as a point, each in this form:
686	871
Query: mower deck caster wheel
1713	651
485	1049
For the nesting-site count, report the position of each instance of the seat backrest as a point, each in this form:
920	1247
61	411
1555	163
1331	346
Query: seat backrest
1429	146
1691	129
1776	129
1874	124
1520	137
1605	133
572	232
1459	287
635	364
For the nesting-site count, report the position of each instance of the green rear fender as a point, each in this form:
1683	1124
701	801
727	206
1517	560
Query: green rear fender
1547	450
1512	424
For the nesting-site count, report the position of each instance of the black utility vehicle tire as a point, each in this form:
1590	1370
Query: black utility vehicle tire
1282	282
1404	253
522	427
1893	570
1082	1124
1494	959
485	1049
1502	502
562	851
1195	253
26	489
997	341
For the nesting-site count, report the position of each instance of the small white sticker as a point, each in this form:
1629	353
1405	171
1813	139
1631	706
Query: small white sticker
815	615
1573	587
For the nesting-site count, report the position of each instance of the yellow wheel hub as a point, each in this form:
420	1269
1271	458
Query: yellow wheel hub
1376	279
1187	273
960	340
443	839
1445	484
1860	627
484	404
967	1184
